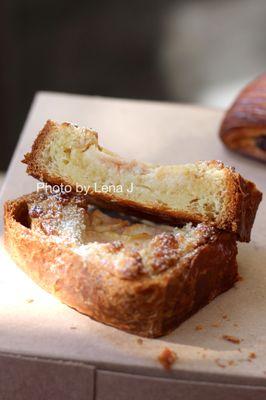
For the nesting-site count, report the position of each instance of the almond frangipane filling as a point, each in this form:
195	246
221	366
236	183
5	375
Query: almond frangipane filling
136	246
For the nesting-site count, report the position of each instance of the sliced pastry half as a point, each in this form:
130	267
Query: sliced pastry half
137	276
207	191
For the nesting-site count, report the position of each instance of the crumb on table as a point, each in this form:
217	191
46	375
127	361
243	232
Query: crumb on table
139	340
167	358
219	363
198	327
225	363
231	338
252	355
28	301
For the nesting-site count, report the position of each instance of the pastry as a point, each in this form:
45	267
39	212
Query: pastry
209	192
138	276
244	126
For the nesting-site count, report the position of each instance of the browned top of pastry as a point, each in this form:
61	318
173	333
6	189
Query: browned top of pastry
207	191
243	128
134	275
129	246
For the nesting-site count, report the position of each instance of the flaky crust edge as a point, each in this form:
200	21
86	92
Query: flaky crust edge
243	195
246	118
146	306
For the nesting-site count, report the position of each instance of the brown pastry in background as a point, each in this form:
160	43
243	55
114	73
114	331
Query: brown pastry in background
243	128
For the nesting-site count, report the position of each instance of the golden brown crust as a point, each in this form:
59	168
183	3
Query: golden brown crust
243	128
238	217
145	305
245	199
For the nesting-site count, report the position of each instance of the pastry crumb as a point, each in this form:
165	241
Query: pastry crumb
232	339
73	327
139	341
219	363
252	355
225	363
199	327
29	301
225	316
215	325
167	358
